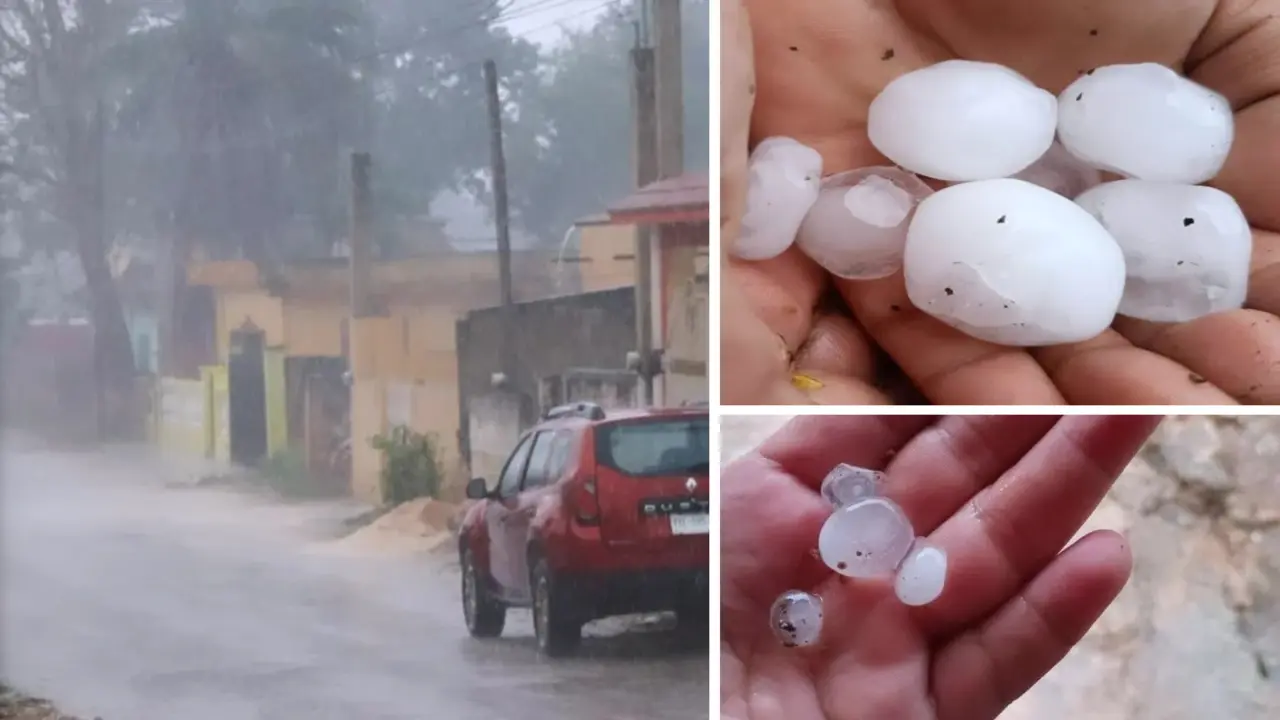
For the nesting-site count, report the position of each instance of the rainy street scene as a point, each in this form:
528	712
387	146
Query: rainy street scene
353	359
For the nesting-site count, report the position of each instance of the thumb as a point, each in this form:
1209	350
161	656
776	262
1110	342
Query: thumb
737	99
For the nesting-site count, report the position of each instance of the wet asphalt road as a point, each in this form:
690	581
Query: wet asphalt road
124	599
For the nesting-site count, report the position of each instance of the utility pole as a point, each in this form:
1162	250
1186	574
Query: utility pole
361	235
501	218
669	69
643	104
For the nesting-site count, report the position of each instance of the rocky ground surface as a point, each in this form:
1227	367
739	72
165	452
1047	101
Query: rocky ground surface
16	706
1196	633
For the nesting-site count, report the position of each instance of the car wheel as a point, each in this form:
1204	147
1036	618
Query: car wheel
485	616
555	623
693	616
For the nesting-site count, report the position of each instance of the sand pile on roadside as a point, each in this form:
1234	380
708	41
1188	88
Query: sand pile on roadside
415	526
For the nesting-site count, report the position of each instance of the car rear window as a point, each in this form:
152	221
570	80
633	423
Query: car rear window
677	446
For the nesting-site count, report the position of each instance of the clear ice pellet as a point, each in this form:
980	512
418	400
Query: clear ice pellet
796	618
846	484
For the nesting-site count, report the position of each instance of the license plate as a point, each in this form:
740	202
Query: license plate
691	524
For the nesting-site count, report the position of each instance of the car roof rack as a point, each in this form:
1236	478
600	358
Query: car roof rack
587	410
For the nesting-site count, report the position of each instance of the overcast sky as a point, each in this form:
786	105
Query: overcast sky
541	21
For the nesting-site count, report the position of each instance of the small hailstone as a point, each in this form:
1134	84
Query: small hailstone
1186	247
858	225
1061	172
1011	263
846	484
782	184
1147	122
922	575
866	539
796	618
961	120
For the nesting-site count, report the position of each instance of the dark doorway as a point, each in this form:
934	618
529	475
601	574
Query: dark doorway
247	389
325	412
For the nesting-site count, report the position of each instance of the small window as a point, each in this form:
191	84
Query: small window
536	475
557	460
656	447
509	484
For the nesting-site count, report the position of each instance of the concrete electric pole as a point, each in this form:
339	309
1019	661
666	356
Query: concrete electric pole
643	104
501	218
669	71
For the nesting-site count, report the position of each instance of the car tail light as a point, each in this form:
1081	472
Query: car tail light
583	500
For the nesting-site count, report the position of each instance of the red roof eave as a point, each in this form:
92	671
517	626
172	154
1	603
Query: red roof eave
661	216
682	199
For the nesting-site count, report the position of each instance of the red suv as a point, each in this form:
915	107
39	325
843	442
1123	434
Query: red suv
594	514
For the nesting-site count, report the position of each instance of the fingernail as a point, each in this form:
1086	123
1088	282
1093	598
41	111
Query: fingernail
805	382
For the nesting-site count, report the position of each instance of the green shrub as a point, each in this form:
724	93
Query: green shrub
410	465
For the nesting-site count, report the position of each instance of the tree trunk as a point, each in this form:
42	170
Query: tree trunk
118	411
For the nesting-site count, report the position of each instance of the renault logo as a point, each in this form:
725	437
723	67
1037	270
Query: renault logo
690	485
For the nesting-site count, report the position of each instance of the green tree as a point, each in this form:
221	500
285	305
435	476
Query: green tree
51	79
432	131
584	161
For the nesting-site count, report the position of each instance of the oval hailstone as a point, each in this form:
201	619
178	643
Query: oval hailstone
1147	122
1061	172
961	120
846	484
1011	263
782	184
858	226
1186	247
922	575
796	618
867	539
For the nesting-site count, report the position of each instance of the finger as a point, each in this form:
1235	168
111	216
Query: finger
1236	56
1264	272
949	462
950	368
836	346
809	446
1237	351
1109	370
984	670
782	292
737	98
1013	528
755	362
824	388
769	523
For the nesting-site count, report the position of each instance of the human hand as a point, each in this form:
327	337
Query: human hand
1001	495
815	66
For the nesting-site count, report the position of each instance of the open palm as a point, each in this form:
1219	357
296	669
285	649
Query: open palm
809	69
1002	495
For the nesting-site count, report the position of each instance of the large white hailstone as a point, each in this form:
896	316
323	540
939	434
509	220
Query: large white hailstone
796	618
1147	122
867	539
783	180
1011	263
1061	172
846	484
961	120
1186	247
858	225
922	575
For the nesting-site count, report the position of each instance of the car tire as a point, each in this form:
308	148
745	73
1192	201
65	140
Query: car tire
693	615
485	615
556	623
